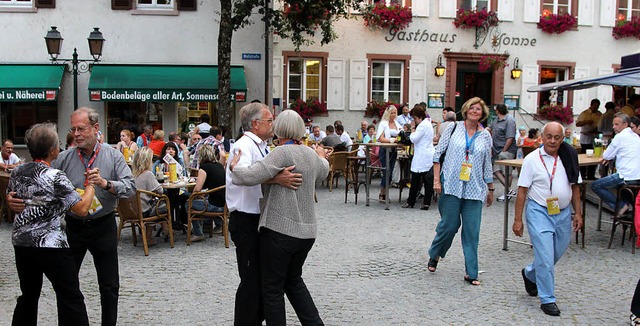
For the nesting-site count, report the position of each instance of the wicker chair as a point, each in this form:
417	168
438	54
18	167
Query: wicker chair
131	215
196	215
337	166
4	208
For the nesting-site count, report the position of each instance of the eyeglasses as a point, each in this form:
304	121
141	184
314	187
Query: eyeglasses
78	129
267	120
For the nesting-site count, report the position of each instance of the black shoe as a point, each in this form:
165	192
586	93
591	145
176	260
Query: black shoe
425	207
550	309
531	287
407	205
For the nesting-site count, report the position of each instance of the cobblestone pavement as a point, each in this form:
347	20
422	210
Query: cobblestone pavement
368	267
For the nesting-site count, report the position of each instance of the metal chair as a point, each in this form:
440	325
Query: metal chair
196	215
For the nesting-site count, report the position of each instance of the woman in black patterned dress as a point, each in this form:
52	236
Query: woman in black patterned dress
39	241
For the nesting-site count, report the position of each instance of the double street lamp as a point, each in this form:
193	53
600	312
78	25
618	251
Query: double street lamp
78	66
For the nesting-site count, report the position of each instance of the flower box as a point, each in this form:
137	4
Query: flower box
377	108
558	113
492	62
382	16
309	108
627	28
557	24
474	18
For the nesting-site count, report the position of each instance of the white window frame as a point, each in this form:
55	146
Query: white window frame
474	5
628	8
303	79
155	6
390	2
555	6
17	4
565	94
386	79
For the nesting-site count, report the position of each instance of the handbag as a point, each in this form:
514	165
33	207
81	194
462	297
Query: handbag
455	125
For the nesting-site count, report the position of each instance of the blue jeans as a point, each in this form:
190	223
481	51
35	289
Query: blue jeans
550	236
393	154
602	186
454	212
198	205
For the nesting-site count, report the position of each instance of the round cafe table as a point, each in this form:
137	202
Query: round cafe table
172	190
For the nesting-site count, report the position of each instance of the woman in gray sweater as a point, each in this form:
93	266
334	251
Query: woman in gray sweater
287	225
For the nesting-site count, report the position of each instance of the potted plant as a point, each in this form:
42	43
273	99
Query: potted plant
558	24
492	62
557	113
310	107
377	108
474	18
627	28
382	16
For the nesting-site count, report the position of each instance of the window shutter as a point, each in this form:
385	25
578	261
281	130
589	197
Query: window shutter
532	11
277	77
335	84
358	84
608	13
529	101
187	5
121	4
605	94
506	10
420	8
581	98
447	9
45	3
418	82
585	12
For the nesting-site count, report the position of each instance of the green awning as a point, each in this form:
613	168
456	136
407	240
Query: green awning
30	82
162	83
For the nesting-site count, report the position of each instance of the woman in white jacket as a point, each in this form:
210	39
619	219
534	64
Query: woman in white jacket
422	162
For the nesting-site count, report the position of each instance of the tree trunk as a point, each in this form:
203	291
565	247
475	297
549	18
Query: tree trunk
224	67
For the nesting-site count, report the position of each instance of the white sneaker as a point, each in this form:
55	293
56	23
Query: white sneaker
501	198
635	321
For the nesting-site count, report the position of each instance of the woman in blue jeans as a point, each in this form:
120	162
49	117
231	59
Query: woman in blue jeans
210	175
388	130
465	179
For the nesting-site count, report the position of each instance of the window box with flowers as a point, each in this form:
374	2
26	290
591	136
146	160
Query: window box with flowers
473	18
557	24
377	108
558	113
627	28
381	16
309	108
492	62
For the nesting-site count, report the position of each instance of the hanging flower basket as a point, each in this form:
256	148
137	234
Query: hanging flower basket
492	62
557	24
377	108
381	16
558	113
473	18
627	28
309	108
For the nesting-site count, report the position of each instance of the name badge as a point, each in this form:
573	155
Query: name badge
465	171
553	207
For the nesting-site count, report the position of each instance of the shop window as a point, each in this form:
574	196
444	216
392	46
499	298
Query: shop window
387	81
476	4
189	114
17	117
305	76
552	75
628	9
17	3
132	116
559	7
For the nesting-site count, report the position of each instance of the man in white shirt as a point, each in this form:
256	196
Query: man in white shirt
9	159
545	186
404	118
317	135
344	136
243	203
624	148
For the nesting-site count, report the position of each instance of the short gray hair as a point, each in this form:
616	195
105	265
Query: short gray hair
289	125
91	114
624	117
552	123
41	138
250	112
450	116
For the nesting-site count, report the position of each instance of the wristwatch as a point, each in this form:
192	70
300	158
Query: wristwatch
108	186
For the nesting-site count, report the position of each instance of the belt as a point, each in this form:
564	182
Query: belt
88	221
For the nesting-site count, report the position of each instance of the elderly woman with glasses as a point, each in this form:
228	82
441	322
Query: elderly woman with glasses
288	226
40	242
464	177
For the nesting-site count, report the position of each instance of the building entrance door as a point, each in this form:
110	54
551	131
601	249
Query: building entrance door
470	82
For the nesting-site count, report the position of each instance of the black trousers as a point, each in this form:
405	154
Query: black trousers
635	302
99	238
588	172
419	179
58	265
244	233
282	258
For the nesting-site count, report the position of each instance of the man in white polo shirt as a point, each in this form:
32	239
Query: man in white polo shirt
624	148
545	187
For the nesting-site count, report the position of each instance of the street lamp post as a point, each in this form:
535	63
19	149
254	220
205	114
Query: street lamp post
78	66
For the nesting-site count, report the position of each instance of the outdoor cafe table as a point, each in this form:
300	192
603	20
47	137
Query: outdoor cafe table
387	176
583	160
173	192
